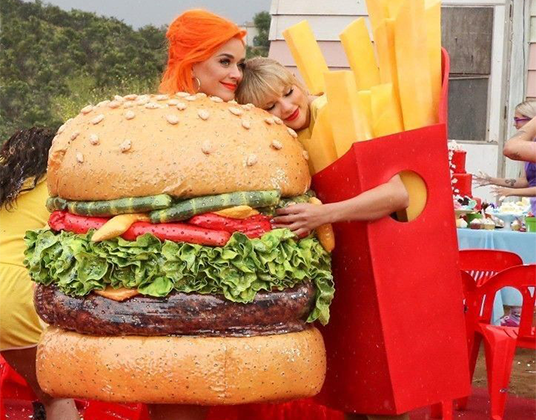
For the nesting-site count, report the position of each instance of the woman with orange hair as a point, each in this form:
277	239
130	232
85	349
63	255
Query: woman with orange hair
205	55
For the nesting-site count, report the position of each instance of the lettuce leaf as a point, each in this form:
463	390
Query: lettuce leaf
237	271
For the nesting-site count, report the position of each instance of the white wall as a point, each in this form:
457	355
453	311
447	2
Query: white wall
481	157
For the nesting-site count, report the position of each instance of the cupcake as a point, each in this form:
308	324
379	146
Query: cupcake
476	224
488	224
460	223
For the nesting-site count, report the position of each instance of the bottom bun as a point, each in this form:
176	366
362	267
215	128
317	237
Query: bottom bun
180	369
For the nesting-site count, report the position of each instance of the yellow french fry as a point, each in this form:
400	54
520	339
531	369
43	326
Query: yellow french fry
343	109
433	38
412	63
356	42
307	55
386	117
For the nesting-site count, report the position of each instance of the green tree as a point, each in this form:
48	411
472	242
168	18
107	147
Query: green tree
261	42
53	62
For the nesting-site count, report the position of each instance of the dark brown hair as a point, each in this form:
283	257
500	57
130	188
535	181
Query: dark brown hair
24	156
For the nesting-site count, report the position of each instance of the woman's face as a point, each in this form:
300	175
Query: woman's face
520	120
292	106
221	73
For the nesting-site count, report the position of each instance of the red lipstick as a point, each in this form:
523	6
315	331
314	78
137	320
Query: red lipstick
294	115
229	86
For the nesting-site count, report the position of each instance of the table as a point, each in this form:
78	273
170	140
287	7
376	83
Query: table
521	243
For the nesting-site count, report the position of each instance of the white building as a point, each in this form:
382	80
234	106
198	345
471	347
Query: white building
251	32
493	65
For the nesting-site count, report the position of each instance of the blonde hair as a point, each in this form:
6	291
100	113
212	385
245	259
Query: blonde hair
527	108
263	78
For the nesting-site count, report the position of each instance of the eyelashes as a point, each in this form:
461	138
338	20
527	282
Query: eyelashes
289	93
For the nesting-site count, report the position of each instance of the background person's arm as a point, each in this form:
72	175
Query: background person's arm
522	146
502	192
482	179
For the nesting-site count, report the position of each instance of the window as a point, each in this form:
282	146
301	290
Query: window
467	34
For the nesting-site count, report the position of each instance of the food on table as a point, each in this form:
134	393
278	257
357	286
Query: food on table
488	224
460	223
476	224
519	207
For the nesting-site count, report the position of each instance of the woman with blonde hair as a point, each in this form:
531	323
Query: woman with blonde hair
205	55
269	85
525	185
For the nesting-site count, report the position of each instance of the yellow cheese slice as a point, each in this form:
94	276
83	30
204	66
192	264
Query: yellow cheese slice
321	146
118	295
360	53
433	38
412	62
238	212
307	55
118	225
386	116
343	109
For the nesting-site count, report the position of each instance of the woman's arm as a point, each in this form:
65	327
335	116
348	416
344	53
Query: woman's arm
502	192
521	146
370	205
483	179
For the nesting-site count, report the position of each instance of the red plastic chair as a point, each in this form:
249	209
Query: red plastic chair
482	264
478	266
98	410
12	387
500	342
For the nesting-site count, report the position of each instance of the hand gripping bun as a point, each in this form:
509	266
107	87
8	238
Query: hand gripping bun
182	370
184	146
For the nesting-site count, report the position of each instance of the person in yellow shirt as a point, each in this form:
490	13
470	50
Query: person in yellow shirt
269	85
23	194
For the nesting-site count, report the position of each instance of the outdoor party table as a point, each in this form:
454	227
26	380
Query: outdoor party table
521	243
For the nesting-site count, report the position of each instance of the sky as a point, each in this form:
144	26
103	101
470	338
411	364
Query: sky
138	13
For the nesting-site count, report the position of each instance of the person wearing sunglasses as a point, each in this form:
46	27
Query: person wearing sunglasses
525	184
522	145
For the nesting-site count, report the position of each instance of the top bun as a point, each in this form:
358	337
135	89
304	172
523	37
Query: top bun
182	145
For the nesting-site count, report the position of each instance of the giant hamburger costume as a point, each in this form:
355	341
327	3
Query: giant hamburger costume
160	277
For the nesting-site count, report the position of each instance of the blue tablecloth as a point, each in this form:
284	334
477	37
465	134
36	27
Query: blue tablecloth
522	243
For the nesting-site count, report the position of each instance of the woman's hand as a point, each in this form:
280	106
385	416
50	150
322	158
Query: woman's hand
482	179
502	192
301	218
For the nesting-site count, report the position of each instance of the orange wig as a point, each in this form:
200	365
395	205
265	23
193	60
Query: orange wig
194	36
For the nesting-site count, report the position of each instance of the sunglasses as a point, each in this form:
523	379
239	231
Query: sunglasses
518	120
